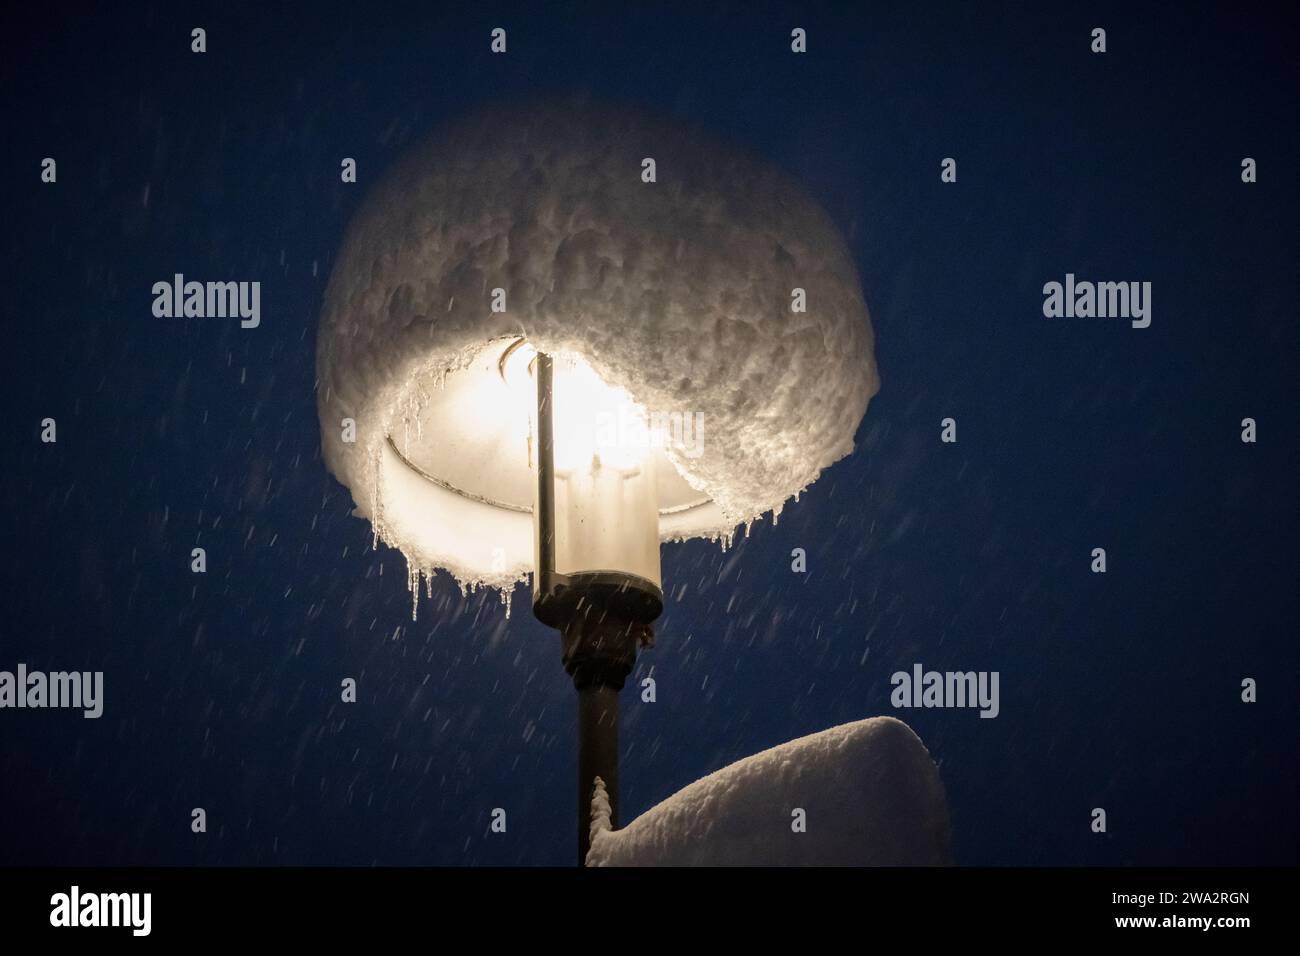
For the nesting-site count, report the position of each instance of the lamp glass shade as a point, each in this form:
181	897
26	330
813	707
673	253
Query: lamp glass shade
606	512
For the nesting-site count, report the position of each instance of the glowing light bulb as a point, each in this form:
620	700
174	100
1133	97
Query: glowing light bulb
596	426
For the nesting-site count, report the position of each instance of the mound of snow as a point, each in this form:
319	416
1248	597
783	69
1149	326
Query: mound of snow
679	291
869	792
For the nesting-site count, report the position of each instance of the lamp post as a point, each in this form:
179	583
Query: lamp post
597	569
511	295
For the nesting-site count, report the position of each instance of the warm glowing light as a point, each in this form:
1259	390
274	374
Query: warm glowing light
517	368
606	502
596	426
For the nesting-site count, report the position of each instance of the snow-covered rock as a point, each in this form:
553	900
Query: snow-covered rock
869	794
678	291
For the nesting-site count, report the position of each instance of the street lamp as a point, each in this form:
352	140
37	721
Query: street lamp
596	528
536	360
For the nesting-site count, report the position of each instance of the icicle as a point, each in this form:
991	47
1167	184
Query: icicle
413	585
600	809
376	501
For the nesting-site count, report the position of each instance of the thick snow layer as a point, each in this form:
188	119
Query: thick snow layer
869	792
679	291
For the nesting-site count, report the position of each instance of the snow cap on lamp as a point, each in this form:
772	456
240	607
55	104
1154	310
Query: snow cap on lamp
677	292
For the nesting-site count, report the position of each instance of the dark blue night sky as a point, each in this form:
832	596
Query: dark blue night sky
1119	691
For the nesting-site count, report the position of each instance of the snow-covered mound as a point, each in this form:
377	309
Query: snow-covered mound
869	792
679	291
